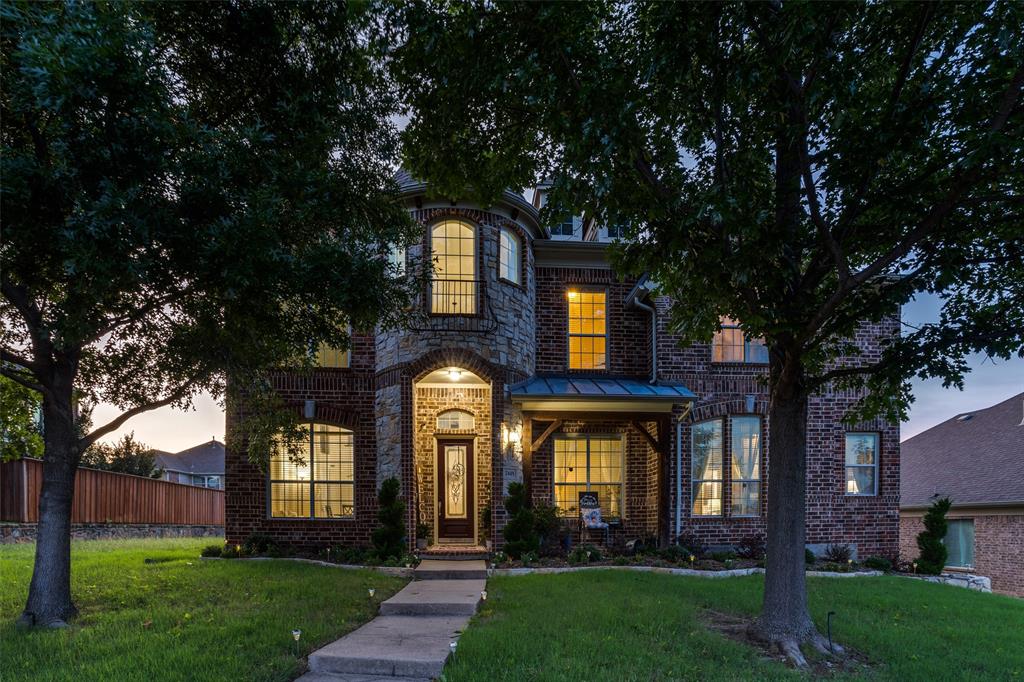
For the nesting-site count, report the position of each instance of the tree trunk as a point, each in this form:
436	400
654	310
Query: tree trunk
49	595
785	621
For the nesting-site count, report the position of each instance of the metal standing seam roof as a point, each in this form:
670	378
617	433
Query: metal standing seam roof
613	388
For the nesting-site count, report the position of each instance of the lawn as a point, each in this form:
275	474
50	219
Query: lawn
616	625
181	618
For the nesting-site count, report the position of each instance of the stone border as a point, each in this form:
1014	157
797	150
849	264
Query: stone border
968	581
394	571
692	572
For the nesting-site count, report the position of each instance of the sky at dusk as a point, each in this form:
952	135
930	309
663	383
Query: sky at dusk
989	382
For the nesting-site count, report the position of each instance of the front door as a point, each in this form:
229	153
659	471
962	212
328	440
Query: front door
455	492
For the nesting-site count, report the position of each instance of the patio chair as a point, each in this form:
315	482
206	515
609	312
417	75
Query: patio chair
590	515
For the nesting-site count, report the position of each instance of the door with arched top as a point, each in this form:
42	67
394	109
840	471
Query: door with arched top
455	506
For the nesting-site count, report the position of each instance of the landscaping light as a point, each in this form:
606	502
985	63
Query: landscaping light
849	562
483	595
238	549
915	567
372	592
295	635
451	646
692	558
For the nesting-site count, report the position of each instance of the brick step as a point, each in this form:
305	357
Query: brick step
392	646
435	598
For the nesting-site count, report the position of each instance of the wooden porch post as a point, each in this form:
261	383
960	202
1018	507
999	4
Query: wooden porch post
528	456
664	480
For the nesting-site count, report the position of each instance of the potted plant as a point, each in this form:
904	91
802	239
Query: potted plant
486	530
422	535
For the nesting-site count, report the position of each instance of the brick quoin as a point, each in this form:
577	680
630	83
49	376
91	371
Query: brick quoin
393	420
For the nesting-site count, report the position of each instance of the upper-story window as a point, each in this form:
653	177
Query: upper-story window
327	356
315	479
508	256
396	258
862	464
456	420
730	345
616	231
454	284
566	228
588	340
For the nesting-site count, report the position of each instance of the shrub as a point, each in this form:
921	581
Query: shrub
751	547
529	558
809	557
211	550
230	551
693	544
546	525
521	530
485	518
257	544
723	557
499	558
675	553
839	554
389	536
878	563
933	553
422	531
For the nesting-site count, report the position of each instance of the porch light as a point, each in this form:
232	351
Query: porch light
454	373
515	435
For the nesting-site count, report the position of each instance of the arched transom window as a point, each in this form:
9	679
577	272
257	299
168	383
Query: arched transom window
314	478
455	420
454	286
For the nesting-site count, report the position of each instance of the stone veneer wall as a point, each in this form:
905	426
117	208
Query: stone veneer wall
11	533
429	403
998	544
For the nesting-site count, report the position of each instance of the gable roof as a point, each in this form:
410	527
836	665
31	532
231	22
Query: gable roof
206	458
973	458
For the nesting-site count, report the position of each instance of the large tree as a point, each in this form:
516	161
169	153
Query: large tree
803	168
190	191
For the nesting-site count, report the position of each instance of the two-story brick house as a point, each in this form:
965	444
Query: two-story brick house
535	362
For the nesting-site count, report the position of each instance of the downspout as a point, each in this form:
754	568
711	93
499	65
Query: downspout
633	300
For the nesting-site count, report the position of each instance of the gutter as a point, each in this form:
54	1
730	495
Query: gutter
633	301
964	506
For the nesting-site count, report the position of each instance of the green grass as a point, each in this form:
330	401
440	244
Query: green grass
615	625
182	618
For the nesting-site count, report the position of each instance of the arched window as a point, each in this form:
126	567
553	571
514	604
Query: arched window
455	420
508	261
454	285
314	478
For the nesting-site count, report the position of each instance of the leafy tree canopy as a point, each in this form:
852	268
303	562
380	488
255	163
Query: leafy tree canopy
126	456
19	422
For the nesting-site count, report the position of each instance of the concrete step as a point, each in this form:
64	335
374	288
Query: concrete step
357	677
435	598
447	569
392	646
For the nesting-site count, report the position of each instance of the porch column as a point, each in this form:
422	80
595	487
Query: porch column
528	456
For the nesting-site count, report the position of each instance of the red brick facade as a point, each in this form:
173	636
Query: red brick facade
394	420
998	539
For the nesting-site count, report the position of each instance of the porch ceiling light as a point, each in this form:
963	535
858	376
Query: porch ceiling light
454	373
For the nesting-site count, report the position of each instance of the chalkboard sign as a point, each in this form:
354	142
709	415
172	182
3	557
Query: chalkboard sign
588	500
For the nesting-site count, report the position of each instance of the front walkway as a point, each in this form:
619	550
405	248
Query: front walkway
411	638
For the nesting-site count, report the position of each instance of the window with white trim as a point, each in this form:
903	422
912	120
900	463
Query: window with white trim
591	464
316	477
455	420
508	261
746	466
861	464
453	289
588	331
707	470
959	543
566	228
731	345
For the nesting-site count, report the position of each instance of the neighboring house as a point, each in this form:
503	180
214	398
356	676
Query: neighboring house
202	465
535	362
976	459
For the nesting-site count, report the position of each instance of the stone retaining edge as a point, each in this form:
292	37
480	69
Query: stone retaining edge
395	571
669	571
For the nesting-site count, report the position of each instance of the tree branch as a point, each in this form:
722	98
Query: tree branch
21	379
116	423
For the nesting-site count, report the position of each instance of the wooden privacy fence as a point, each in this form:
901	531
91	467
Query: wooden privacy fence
108	497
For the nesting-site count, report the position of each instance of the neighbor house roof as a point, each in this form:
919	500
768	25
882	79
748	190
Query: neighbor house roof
594	392
973	458
207	458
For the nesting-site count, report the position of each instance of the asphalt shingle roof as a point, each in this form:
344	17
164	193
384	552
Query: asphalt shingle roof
206	458
973	458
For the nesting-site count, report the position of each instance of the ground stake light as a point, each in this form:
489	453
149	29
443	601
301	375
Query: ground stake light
483	595
372	592
295	635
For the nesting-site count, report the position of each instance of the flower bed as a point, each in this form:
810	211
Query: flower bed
265	548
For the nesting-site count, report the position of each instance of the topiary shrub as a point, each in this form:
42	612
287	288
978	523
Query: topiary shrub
546	525
933	552
809	557
520	532
389	536
878	563
751	547
838	553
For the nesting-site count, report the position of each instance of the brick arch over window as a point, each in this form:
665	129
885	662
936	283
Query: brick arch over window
725	408
326	413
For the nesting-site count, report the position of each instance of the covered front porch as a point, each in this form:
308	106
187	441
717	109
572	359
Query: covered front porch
610	438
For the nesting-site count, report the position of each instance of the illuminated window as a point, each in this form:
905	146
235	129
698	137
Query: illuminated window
316	479
456	420
706	473
862	464
453	249
587	330
591	464
730	345
331	357
746	466
508	266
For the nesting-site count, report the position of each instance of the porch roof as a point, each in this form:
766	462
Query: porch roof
597	392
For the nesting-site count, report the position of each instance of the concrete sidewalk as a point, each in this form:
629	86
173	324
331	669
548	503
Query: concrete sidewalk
411	639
